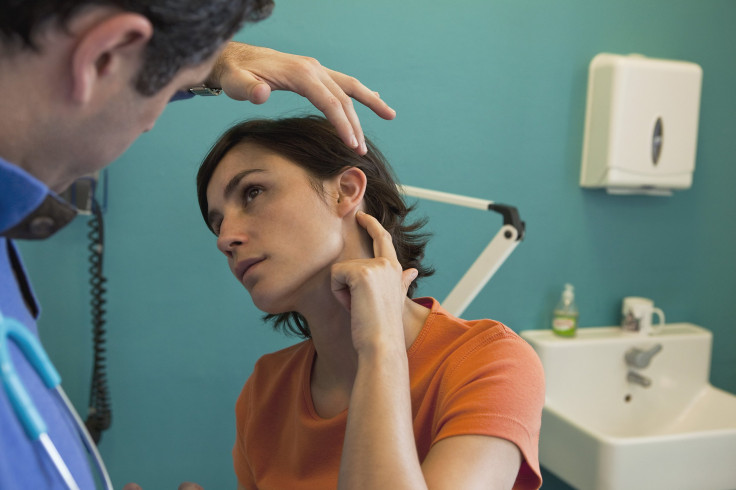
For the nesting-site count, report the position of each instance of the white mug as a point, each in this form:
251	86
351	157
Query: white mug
636	316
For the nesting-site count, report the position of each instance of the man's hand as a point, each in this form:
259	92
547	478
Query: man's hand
246	72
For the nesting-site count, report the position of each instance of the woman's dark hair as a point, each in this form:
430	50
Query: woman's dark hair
312	143
185	32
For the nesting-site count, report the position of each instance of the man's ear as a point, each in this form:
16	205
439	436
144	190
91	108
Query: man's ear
351	188
110	50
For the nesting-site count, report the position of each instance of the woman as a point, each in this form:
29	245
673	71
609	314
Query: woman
386	391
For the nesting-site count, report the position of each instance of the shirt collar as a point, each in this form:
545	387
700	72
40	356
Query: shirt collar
28	208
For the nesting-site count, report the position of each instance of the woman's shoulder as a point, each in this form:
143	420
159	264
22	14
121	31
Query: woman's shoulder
443	328
284	361
485	343
292	352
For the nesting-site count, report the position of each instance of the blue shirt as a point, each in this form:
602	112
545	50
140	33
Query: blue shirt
28	210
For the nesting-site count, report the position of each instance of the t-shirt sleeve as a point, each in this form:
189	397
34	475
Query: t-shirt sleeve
496	388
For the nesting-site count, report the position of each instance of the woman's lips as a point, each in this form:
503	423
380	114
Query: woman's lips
245	265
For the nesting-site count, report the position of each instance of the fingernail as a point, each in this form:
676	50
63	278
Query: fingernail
353	142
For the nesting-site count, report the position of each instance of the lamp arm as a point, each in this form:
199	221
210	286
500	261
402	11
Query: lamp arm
510	217
495	253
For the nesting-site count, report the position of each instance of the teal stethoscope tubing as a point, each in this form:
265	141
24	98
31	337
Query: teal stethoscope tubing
32	422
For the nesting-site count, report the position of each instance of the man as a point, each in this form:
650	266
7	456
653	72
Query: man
80	81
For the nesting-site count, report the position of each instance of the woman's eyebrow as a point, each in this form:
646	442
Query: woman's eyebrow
233	183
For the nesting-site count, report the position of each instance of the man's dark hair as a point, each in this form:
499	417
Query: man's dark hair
185	32
312	143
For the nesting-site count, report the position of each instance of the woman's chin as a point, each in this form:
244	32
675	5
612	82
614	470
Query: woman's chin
269	305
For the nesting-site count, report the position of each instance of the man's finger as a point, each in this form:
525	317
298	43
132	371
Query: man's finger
369	98
243	85
330	100
347	109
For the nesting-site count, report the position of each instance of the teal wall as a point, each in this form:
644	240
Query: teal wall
490	98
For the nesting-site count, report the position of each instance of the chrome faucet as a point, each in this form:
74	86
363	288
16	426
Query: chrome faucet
635	377
639	358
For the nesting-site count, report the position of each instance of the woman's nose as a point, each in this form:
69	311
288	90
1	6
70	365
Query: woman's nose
230	238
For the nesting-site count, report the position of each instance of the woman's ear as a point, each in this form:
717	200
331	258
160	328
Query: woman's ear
351	188
111	50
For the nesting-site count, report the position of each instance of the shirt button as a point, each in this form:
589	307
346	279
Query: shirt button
42	226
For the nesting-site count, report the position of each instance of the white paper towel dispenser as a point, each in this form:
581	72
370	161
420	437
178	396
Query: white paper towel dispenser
641	124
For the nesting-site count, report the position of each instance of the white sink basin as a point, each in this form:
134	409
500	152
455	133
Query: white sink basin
601	431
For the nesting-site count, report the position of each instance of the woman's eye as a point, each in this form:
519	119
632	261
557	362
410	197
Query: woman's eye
251	193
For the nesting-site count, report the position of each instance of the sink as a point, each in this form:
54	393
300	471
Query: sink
602	431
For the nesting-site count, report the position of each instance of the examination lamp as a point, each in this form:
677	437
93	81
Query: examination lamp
495	253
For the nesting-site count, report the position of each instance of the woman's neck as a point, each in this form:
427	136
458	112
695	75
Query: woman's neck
336	361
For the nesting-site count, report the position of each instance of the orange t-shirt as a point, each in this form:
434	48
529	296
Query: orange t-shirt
467	377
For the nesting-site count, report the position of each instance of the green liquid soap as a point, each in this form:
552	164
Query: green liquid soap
565	315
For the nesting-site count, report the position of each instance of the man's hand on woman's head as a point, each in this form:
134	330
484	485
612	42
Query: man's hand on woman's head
246	72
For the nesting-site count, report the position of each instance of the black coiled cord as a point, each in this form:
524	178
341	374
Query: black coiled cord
99	415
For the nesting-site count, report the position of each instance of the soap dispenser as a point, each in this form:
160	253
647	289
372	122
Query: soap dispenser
565	315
